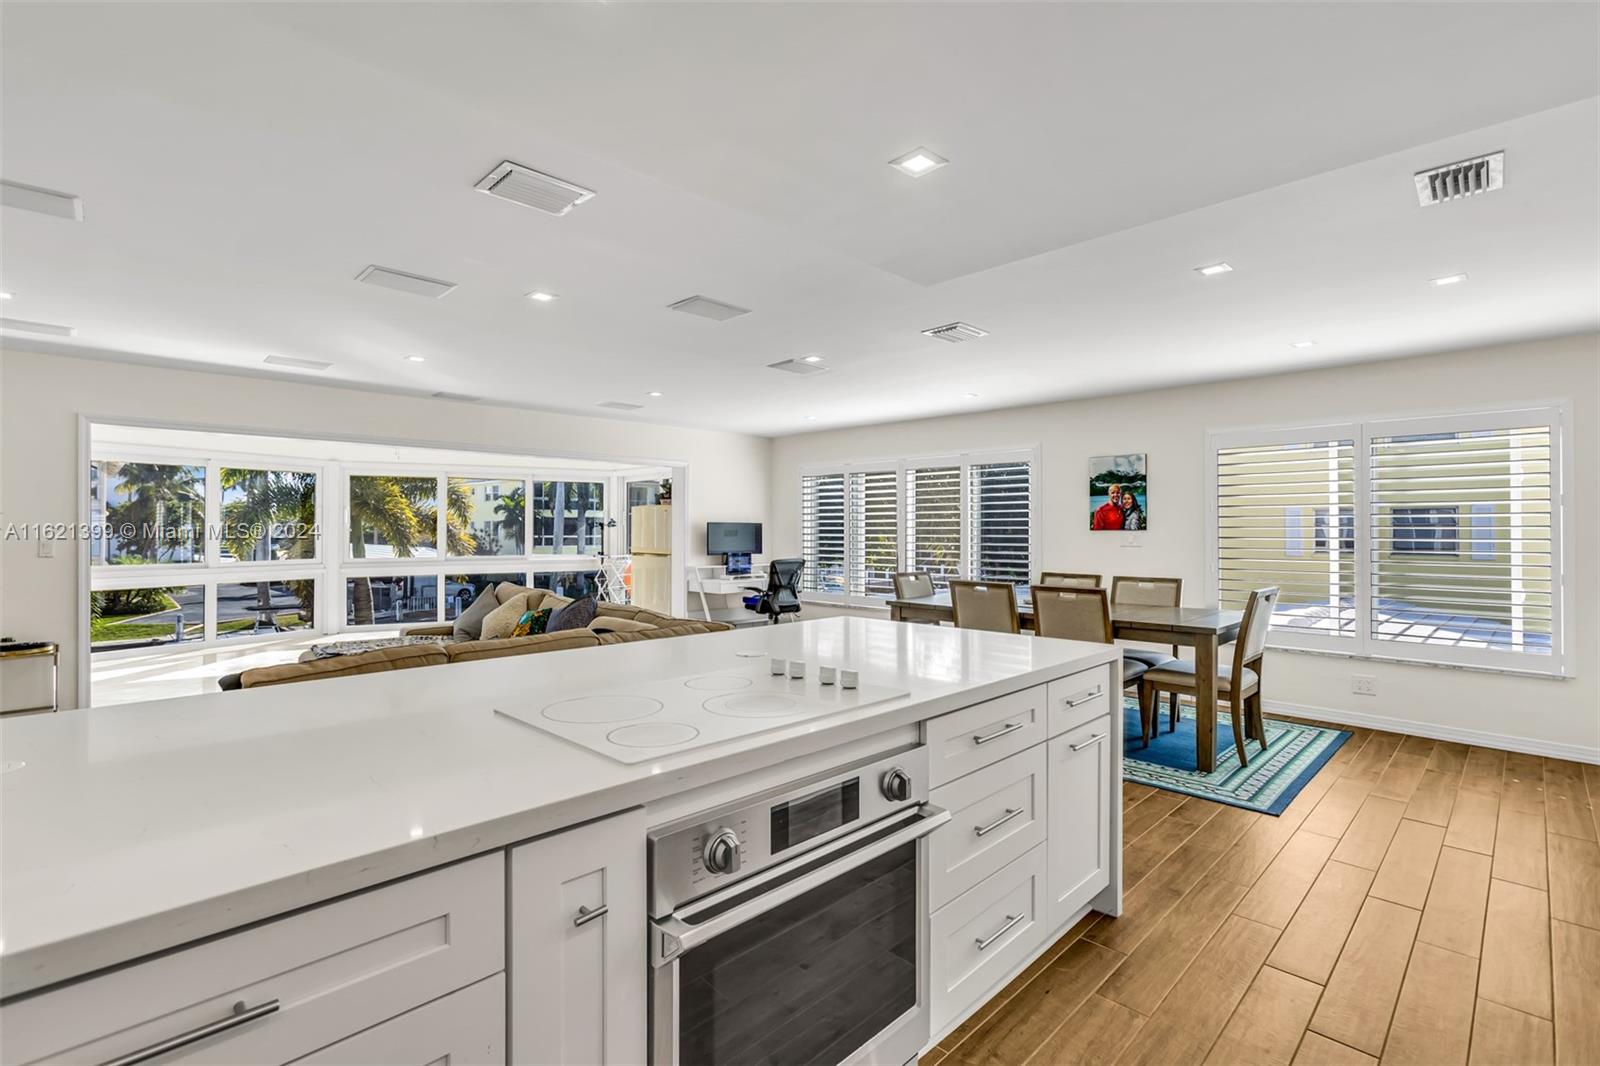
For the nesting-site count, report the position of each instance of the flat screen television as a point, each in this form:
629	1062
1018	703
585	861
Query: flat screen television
725	537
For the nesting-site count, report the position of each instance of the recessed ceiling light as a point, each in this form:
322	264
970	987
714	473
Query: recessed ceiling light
811	358
1303	344
919	161
1214	268
541	297
5	296
655	394
1448	279
969	395
810	418
416	359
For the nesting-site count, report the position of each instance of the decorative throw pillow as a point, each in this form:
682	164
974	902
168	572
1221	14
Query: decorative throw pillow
499	623
575	615
531	623
612	624
469	624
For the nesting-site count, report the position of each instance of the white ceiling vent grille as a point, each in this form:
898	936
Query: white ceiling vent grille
532	188
298	364
458	397
798	366
17	325
955	332
708	308
618	405
400	281
45	201
1457	181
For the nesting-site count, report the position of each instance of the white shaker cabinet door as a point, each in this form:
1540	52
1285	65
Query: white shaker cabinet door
1078	781
578	937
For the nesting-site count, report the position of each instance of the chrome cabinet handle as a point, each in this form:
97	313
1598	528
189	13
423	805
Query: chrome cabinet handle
1097	738
983	942
589	914
1009	727
985	830
241	1015
1082	697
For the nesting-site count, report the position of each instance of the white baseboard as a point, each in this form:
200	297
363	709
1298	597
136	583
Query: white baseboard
1480	738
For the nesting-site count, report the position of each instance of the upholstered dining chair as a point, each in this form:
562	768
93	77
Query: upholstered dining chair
1151	592
1073	581
1239	685
912	585
985	605
1079	614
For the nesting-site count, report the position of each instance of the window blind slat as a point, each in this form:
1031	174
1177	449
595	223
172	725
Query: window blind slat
998	510
874	532
933	522
822	533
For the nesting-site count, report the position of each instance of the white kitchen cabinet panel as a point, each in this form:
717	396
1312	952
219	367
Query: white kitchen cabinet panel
578	938
284	988
996	814
1080	698
983	734
1081	792
465	1028
985	934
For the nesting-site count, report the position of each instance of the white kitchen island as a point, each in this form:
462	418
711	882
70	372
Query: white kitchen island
396	865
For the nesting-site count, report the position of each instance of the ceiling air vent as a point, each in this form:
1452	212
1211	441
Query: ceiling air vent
458	397
618	405
399	280
17	325
298	364
531	188
44	201
1458	180
799	366
708	308
955	332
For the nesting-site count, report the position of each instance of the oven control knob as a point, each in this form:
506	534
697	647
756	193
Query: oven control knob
896	785
722	852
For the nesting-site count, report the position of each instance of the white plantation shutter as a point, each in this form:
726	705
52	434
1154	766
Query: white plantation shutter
1462	547
874	532
822	533
1268	499
998	521
933	522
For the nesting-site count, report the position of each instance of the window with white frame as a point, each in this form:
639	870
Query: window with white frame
949	516
1446	547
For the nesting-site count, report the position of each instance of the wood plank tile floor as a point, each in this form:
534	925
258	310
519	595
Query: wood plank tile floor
1419	902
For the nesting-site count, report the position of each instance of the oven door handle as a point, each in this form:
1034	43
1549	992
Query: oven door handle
673	935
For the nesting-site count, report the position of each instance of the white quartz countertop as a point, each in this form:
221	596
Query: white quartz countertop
136	828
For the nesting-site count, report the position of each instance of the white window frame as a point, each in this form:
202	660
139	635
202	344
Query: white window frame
1557	414
1029	454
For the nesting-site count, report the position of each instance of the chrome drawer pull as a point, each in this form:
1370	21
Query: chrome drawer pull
985	830
1083	697
1009	727
587	914
241	1015
1097	738
983	942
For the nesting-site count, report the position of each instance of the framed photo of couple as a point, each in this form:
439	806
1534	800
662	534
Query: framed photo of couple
1117	493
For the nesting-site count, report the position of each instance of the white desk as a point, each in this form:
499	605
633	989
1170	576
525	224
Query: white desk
714	581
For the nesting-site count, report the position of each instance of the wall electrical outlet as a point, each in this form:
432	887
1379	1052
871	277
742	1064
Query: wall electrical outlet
1363	684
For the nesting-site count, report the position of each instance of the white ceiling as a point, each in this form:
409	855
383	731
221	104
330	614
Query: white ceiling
241	163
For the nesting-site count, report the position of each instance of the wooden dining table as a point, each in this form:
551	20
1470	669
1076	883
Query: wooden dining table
1202	628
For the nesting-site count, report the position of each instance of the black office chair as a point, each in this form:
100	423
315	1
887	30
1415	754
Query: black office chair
782	594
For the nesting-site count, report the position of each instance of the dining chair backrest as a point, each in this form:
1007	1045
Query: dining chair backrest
1072	613
1071	581
1254	626
1147	591
984	605
913	585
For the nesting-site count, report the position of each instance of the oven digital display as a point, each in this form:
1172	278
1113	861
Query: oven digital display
800	820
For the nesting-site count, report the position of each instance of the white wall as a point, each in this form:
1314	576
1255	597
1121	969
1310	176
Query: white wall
1560	717
42	397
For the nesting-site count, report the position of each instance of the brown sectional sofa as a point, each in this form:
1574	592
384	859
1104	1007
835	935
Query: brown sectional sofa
452	651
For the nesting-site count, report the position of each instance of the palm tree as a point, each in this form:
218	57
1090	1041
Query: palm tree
512	511
270	498
402	513
164	504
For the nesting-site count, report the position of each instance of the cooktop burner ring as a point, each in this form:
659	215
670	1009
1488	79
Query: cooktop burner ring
602	709
755	705
717	683
652	734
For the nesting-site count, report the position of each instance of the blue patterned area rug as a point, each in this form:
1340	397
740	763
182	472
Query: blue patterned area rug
1268	784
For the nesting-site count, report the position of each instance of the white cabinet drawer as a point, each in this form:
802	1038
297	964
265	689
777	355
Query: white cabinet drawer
1080	815
1080	698
997	814
332	970
465	1028
973	737
982	936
